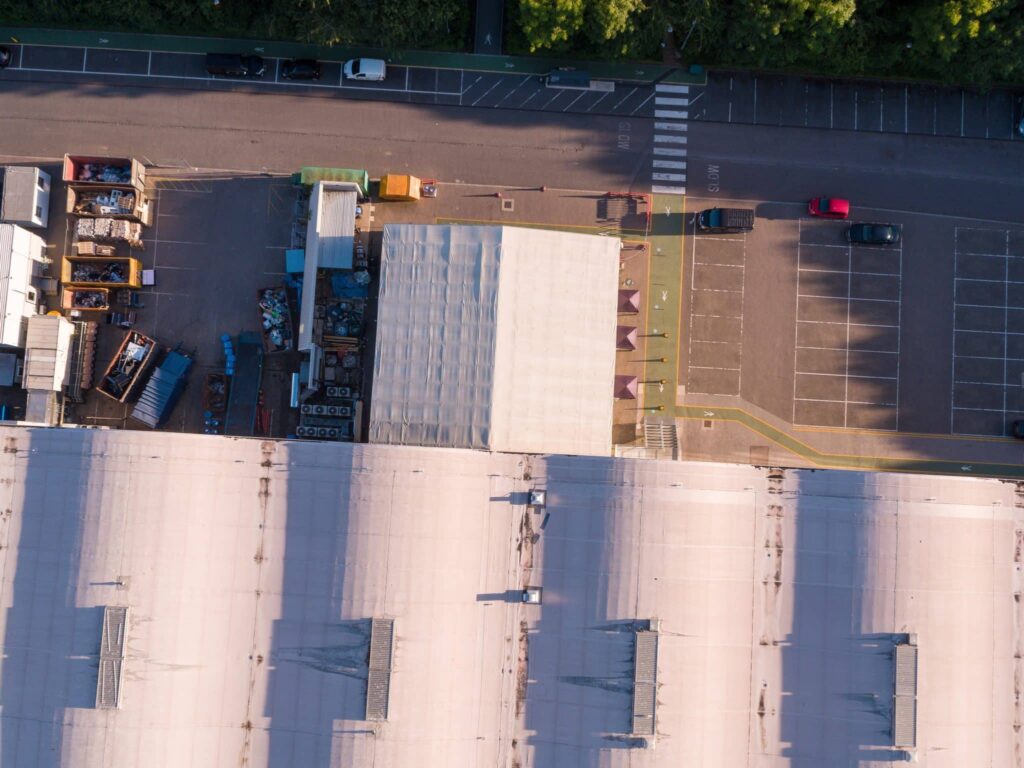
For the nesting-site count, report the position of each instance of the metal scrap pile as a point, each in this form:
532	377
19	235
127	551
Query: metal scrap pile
113	272
109	174
89	299
276	319
114	201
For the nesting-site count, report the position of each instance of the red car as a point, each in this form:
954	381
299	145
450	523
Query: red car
829	208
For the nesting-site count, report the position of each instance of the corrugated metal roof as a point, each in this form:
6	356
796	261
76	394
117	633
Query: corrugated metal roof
47	347
645	683
378	679
330	240
500	338
112	637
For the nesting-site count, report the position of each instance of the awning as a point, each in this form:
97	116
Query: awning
625	337
625	387
629	300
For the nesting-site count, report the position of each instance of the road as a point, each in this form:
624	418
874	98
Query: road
282	132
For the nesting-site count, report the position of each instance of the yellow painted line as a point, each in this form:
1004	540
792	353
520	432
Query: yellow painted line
849	461
913	435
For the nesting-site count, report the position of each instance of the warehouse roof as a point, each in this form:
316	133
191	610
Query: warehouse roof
492	337
253	573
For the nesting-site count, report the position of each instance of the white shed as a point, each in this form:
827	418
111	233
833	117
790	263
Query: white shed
21	259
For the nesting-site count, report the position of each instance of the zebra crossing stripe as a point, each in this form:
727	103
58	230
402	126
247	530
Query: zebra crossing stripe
671	102
668	139
668	176
670	114
670	151
670	164
668	88
658	189
670	126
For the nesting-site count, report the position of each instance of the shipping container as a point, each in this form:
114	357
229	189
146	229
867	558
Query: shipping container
127	370
101	272
85	299
111	202
104	171
397	186
310	176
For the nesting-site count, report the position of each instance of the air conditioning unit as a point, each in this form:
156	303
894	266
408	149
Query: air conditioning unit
333	433
306	408
344	391
333	410
305	431
334	391
320	410
344	410
322	432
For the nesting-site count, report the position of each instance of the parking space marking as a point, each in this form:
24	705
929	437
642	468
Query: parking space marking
717	290
987	382
826	375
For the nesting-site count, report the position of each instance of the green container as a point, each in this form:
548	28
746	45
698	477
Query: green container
310	176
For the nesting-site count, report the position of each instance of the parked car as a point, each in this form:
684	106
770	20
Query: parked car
300	69
1017	429
365	69
5	56
873	234
234	65
829	207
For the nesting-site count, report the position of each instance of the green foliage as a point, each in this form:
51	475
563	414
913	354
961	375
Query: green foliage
385	23
550	24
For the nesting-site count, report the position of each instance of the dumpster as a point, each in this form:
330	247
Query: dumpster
394	186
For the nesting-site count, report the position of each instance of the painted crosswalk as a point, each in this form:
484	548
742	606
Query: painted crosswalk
668	168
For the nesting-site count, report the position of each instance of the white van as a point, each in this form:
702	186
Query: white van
365	69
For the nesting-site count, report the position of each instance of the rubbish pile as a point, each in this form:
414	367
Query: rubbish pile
115	201
85	272
109	229
276	319
107	174
89	300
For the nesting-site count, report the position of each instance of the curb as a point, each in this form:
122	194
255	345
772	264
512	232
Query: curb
641	72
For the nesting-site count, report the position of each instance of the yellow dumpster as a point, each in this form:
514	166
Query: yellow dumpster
395	186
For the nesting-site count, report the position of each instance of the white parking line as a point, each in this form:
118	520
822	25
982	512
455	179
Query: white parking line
483	94
642	104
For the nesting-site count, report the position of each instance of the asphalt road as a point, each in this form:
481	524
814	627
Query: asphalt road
282	132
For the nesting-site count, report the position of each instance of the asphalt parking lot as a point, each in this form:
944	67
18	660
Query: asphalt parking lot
856	106
417	85
924	337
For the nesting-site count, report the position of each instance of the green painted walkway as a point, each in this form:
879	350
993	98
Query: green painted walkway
644	72
841	461
664	303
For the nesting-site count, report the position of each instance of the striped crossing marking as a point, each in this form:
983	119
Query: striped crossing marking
668	166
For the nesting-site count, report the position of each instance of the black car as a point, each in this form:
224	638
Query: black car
1017	429
5	56
234	65
300	69
873	234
